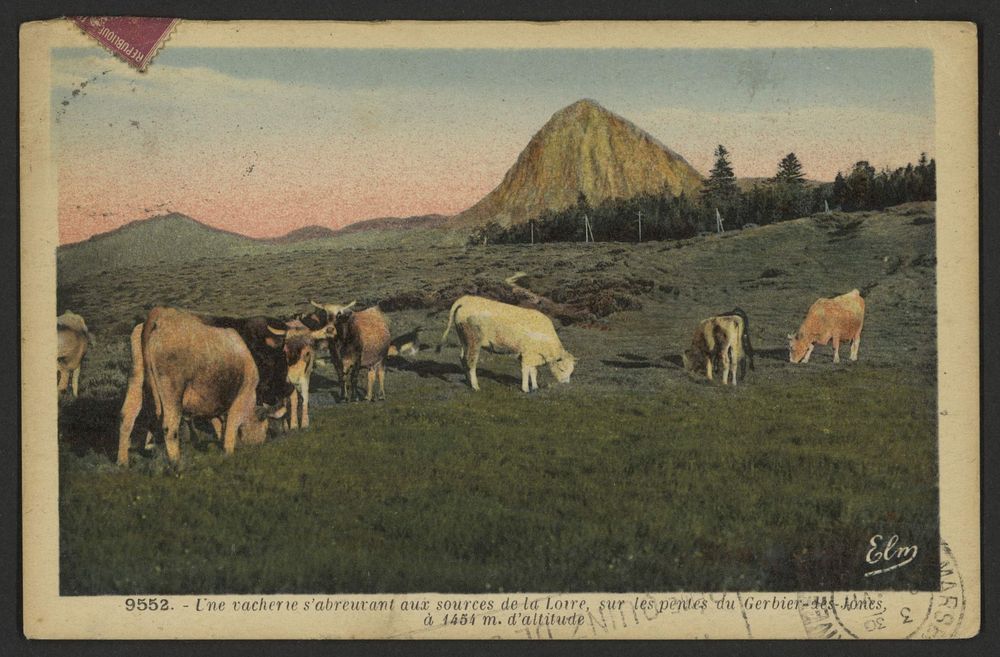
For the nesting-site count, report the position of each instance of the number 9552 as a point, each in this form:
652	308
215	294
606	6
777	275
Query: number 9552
146	604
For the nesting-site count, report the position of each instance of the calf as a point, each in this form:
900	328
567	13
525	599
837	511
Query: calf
716	338
300	353
746	344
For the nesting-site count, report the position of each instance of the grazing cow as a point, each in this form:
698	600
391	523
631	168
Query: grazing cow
300	353
502	328
74	340
716	338
187	366
839	318
746	344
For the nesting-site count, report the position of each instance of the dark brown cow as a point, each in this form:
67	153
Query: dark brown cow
265	337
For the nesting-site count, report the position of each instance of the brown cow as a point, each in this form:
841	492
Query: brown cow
74	340
717	338
361	340
839	318
188	367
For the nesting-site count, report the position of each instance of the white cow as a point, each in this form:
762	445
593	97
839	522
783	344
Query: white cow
506	329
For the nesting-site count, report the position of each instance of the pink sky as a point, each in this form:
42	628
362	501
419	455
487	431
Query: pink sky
278	147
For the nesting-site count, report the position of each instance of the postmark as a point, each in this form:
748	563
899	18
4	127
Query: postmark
889	615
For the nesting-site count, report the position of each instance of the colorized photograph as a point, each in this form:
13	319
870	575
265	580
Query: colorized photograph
393	320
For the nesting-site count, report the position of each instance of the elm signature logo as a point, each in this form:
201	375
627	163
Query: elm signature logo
888	554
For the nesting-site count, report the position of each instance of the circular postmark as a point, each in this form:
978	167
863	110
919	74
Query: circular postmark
889	614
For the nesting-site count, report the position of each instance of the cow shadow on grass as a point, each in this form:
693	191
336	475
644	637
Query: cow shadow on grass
773	353
442	371
630	361
88	424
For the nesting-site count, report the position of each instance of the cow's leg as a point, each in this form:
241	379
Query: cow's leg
708	366
293	411
734	362
171	425
304	419
76	381
353	387
370	394
229	437
533	383
725	366
381	380
525	376
217	428
836	348
855	343
471	360
130	410
809	351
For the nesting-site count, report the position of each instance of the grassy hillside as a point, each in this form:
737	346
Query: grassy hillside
634	476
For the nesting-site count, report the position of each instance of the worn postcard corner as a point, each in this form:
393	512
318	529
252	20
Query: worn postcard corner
614	330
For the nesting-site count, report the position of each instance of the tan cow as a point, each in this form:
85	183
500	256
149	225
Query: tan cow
191	368
74	340
717	338
300	351
839	318
502	328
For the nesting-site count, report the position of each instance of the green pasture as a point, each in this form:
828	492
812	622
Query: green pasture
633	477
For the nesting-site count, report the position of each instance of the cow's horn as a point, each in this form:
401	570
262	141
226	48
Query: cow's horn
318	305
275	331
791	336
350	305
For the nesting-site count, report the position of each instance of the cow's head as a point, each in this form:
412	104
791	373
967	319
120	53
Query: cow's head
275	336
327	316
563	366
254	430
798	347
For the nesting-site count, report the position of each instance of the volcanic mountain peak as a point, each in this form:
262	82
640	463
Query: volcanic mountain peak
584	148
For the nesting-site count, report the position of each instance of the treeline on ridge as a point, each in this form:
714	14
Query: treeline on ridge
788	195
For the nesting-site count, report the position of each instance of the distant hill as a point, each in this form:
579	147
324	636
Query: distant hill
166	238
587	149
397	223
303	234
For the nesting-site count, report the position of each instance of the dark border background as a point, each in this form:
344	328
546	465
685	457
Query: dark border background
984	13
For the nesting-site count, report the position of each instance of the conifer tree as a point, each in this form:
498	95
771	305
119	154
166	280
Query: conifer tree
790	170
720	189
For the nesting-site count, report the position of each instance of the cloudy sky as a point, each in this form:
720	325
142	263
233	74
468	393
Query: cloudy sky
261	141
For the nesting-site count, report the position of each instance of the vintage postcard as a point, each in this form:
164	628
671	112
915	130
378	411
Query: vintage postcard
500	330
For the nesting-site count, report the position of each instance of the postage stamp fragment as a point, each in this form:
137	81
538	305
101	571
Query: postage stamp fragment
132	39
477	330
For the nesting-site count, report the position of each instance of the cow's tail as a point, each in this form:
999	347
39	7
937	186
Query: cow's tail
747	344
447	329
152	376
